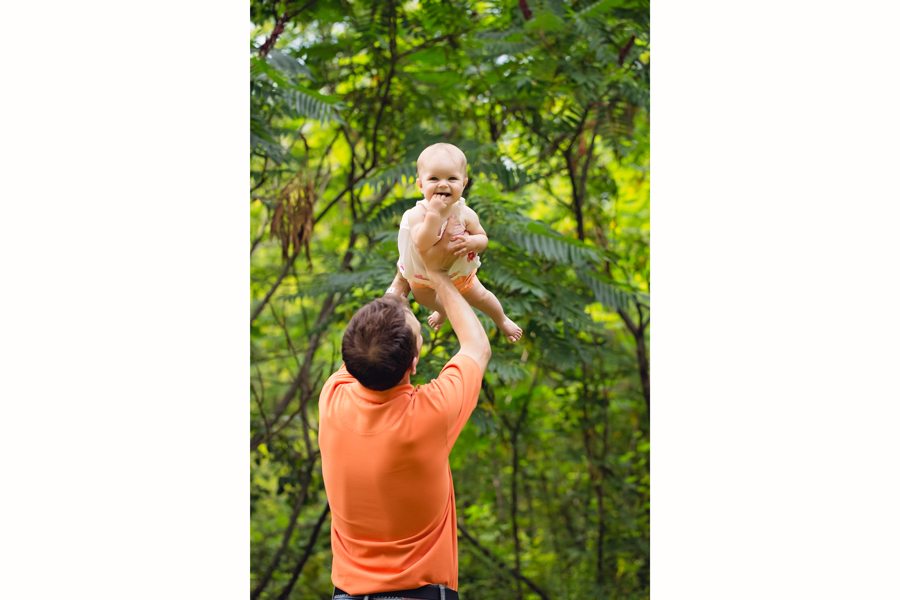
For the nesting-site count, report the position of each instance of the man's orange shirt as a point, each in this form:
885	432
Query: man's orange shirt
385	462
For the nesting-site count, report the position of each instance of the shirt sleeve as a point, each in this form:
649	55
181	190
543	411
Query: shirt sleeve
457	389
339	377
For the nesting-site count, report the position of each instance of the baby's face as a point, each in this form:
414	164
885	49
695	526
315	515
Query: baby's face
441	173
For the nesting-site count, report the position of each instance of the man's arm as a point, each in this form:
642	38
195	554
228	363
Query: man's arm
473	341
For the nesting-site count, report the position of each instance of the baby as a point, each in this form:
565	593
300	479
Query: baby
441	177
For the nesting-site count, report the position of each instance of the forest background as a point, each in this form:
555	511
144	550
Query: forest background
550	102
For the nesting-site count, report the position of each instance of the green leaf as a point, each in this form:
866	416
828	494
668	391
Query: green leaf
539	239
376	276
611	295
510	371
288	65
600	8
435	56
546	22
389	176
513	282
494	44
387	217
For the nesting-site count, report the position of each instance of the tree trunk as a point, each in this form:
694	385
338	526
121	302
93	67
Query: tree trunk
286	592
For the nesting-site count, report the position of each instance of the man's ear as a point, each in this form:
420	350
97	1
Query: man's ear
414	363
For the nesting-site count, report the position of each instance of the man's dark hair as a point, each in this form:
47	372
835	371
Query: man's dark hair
379	345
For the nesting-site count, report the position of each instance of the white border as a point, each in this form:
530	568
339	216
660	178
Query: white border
774	350
125	345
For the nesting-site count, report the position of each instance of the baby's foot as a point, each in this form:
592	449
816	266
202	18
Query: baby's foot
436	319
512	331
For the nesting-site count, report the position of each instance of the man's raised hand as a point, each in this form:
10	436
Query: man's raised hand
438	256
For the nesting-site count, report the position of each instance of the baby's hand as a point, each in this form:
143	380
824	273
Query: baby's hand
462	244
438	202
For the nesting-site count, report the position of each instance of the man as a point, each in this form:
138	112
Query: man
385	445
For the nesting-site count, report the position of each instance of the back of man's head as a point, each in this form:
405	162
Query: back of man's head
379	345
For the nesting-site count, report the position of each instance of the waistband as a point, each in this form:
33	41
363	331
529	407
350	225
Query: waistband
426	592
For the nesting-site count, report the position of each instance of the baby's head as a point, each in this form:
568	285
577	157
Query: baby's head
441	169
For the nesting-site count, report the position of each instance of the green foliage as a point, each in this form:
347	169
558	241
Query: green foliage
389	177
539	240
552	112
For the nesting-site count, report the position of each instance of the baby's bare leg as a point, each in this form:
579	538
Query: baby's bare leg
427	297
485	301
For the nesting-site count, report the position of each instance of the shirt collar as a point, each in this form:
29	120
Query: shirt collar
376	397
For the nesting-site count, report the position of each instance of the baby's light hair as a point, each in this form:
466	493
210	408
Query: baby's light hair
450	149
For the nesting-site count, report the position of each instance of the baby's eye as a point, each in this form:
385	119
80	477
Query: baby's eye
432	179
453	179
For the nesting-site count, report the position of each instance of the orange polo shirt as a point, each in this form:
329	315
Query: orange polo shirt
385	462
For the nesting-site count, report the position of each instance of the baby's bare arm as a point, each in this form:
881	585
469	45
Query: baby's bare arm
426	228
474	239
399	286
416	221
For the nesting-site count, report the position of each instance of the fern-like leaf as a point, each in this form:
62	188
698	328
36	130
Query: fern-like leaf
494	44
512	282
378	276
308	104
509	176
509	371
263	140
610	295
288	65
538	238
403	173
387	217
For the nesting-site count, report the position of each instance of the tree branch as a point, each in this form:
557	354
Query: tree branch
497	561
637	332
325	156
624	51
325	313
330	204
589	157
286	592
279	28
526	12
572	170
426	44
259	399
383	101
303	373
595	467
292	523
262	175
284	271
290	263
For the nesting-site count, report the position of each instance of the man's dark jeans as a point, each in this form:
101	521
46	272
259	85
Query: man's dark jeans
426	592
